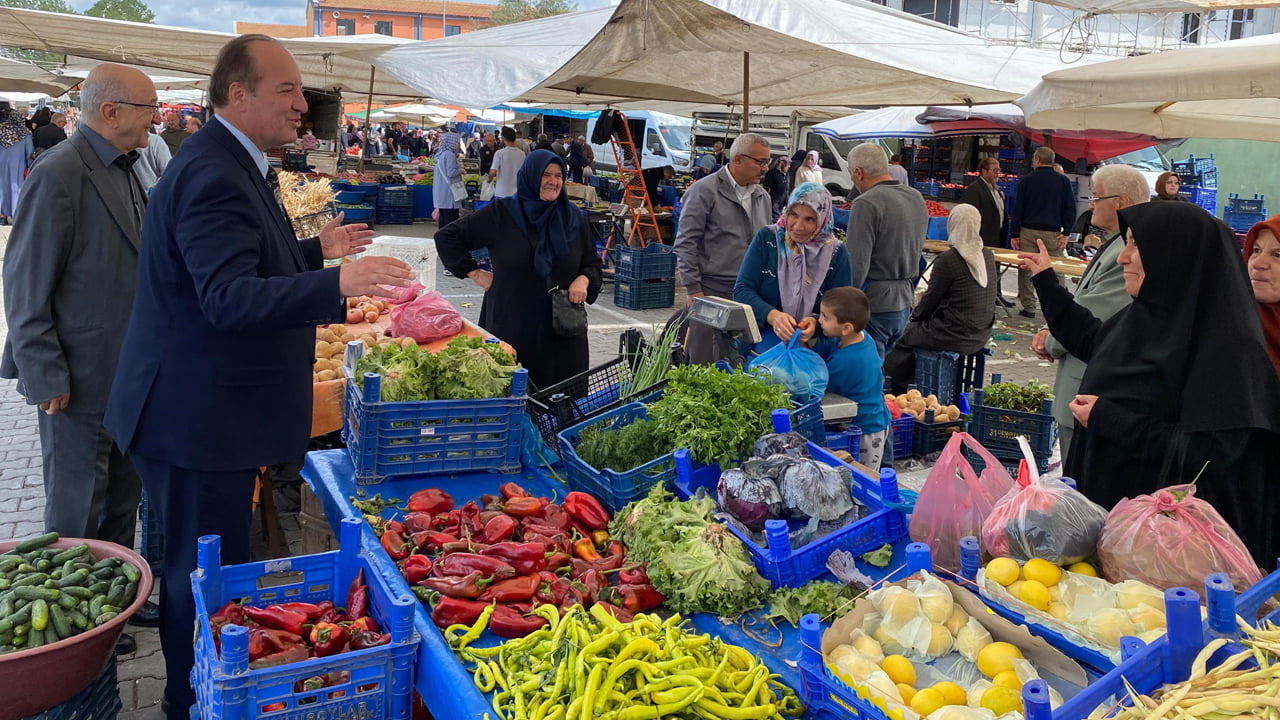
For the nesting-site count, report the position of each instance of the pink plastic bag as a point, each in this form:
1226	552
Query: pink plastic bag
955	500
429	317
1169	542
405	294
1044	518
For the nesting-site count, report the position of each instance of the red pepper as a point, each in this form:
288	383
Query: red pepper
265	641
395	545
230	614
522	506
639	598
471	518
310	610
396	527
554	516
534	525
520	607
617	612
358	596
311	684
462	546
557	560
500	527
526	558
572	596
554	543
434	541
331	613
615	547
637	575
455	611
586	510
466	563
490	502
506	622
592	582
546	594
329	639
511	490
488	514
416	568
513	590
362	639
258	645
273	616
430	501
419	522
583	549
296	653
607	564
272	707
560	588
469	586
364	623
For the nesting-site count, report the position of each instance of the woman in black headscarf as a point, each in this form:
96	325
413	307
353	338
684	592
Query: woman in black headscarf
1178	379
537	241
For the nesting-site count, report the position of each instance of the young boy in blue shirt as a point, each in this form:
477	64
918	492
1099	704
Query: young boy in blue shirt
854	366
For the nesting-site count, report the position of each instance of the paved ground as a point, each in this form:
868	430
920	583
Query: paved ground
142	674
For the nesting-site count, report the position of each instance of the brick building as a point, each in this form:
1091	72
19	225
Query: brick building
412	19
272	29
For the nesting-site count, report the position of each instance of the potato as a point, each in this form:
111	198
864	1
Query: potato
328	336
324	375
914	394
322	349
931	400
901	401
407	341
916	405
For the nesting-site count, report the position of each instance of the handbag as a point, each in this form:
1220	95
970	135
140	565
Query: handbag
568	319
487	188
459	190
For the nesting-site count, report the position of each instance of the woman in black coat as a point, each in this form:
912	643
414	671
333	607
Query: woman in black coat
536	241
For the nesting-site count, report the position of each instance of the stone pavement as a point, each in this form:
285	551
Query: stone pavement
141	675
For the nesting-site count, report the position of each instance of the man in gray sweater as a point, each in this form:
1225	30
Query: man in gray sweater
719	215
888	222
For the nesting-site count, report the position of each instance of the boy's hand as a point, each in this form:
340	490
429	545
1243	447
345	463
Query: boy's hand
808	328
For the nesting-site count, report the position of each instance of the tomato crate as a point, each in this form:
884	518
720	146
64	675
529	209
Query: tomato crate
584	396
777	561
998	429
901	432
424	437
930	437
652	262
947	375
373	682
644	294
99	701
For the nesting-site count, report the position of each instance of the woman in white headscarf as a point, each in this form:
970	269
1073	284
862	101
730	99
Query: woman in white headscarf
810	170
957	311
448	175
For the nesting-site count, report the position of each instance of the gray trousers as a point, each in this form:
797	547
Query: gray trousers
90	489
1027	244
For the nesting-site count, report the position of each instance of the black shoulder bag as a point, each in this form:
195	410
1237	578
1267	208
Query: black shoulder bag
568	319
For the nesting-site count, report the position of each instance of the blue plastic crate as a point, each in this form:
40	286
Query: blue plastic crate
424	202
841	218
902	430
99	701
1242	221
1007	461
998	429
350	197
652	262
613	488
394	215
1205	197
395	195
927	187
1246	205
1012	153
356	213
584	396
152	534
379	680
937	229
777	561
947	375
433	436
929	437
644	294
1208	178
848	440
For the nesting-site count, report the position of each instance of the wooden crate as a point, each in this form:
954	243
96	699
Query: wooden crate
317	536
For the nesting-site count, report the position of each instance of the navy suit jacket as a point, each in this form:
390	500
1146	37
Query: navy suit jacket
215	371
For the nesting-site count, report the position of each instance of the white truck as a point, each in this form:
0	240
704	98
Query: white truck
667	141
787	135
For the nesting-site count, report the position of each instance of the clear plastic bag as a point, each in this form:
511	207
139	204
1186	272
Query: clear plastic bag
800	370
1043	518
428	317
1172	539
955	500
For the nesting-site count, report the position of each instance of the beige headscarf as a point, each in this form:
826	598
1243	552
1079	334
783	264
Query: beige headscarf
962	233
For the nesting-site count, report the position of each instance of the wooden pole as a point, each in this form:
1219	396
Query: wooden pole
368	108
746	91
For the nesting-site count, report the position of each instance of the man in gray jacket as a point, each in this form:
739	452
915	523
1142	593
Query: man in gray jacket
1101	288
70	270
888	222
719	215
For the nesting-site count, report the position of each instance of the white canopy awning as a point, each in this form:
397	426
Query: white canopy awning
1224	90
418	114
21	77
327	63
1105	7
802	53
900	122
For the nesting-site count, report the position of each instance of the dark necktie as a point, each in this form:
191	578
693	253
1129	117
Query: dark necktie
136	195
273	181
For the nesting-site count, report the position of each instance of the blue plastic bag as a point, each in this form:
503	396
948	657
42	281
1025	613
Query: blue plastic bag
802	371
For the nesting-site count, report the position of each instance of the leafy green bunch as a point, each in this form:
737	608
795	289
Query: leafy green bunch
467	369
1012	396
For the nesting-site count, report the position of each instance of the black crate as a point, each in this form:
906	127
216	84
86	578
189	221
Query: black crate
582	397
396	195
930	437
1247	205
644	294
394	215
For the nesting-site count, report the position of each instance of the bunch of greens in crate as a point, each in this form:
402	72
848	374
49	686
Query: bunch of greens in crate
623	448
653	361
716	415
1012	396
468	369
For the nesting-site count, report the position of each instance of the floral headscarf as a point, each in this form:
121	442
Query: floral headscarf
13	128
802	267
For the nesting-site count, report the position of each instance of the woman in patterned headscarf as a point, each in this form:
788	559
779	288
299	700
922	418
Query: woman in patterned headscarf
957	311
448	176
790	264
15	153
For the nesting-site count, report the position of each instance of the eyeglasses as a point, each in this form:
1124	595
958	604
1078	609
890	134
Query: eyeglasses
152	108
1094	198
763	163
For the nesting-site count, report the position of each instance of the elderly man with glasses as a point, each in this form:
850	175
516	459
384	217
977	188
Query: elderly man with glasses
70	271
720	214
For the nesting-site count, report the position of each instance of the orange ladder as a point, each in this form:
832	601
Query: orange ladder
635	195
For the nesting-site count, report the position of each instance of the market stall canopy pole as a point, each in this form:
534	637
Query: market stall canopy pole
746	91
644	50
1227	90
367	127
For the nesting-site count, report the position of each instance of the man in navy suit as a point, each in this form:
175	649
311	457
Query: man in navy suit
214	378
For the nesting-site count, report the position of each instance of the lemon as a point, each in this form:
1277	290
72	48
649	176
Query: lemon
927	700
954	694
1003	570
899	669
1058	610
997	657
1083	568
907	691
1007	678
1042	571
1015	588
1035	594
1001	700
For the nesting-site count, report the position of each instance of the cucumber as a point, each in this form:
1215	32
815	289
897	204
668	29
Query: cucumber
39	614
131	573
108	562
76	578
5	583
77	592
104	617
71	553
67	601
102	587
26	592
78	619
61	625
130	591
95	605
35	638
32	579
44	564
36	542
116	596
9	562
6	607
20	617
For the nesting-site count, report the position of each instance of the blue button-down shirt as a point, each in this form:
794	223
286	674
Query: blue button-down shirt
259	157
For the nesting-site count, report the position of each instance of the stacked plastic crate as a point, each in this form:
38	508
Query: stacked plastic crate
395	205
1242	213
1199	178
644	278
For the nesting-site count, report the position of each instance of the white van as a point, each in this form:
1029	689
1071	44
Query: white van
667	141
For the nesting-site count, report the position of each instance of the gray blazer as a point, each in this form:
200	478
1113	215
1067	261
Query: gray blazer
715	229
70	270
1102	292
